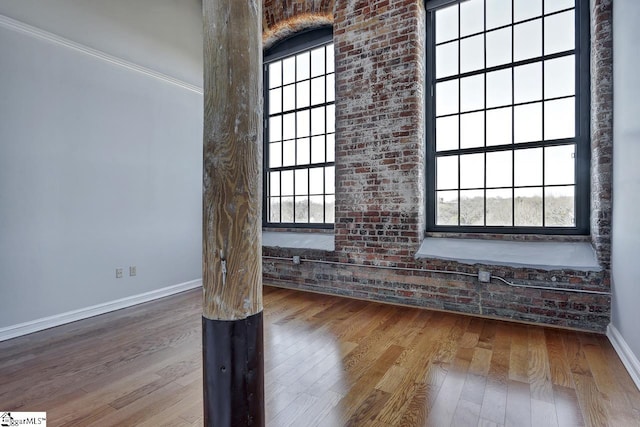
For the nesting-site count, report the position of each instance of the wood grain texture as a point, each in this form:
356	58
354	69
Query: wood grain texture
232	159
329	362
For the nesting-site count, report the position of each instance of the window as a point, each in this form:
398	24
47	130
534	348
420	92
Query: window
300	132
508	119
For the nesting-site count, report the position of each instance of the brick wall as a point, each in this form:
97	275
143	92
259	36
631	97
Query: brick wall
601	127
450	292
281	19
379	130
380	176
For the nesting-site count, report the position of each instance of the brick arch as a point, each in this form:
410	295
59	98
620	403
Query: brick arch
281	19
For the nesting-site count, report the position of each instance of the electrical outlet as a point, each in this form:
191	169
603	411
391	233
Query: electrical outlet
296	259
132	270
118	273
484	276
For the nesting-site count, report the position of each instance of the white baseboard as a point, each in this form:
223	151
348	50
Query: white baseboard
629	359
84	313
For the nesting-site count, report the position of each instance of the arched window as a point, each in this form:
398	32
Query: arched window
299	120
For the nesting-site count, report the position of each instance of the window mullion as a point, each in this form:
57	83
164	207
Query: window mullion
544	151
459	119
513	118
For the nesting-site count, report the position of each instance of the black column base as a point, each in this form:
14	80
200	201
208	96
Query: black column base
233	369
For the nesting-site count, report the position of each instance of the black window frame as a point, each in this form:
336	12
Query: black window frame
582	137
305	40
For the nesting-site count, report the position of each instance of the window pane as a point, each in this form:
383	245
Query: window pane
525	9
331	118
317	121
275	128
471	17
499	47
447	133
331	87
316	209
302	124
472	171
559	119
287	209
275	101
447	59
559	206
499	88
274	184
551	6
559	165
472	207
275	155
499	169
317	62
447	172
446	23
286	183
498	13
447	97
302	209
559	32
528	82
331	147
329	208
316	181
499	126
289	153
472	53
472	93
528	122
289	126
317	149
302	181
447	208
528	207
317	90
499	207
289	98
472	130
528	40
289	70
528	167
329	180
302	94
302	62
330	59
302	152
275	74
559	77
274	209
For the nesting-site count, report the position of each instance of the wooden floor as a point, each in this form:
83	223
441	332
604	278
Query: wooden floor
329	362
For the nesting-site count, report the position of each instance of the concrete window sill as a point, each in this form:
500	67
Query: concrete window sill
578	256
292	240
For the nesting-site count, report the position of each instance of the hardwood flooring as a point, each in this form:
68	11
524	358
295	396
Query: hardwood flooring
329	362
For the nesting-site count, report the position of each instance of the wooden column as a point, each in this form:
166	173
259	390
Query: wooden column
232	196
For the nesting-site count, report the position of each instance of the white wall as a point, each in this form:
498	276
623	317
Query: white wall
626	173
100	165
